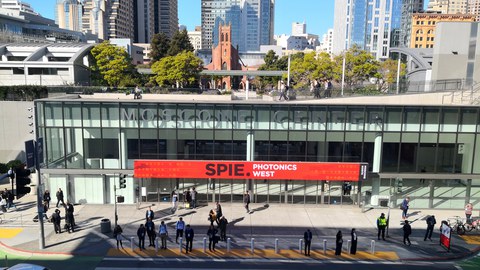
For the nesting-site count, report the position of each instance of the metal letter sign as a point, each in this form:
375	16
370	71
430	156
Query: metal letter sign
30	153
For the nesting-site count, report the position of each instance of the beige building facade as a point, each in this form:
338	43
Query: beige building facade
448	6
424	25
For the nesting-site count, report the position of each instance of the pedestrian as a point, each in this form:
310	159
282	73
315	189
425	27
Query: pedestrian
141	236
174	202
10	199
222	225
163	232
56	219
381	225
149	214
212	216
59	196
150	228
180	226
246	202
117	233
328	88
339	243
353	247
404	207
218	211
69	221
69	209
189	234
3	204
193	193
407	230
47	198
212	237
316	90
307	237
188	199
468	212
430	225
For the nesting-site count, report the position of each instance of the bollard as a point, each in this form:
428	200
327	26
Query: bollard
324	246
372	246
204	244
229	242
349	243
156	245
276	245
252	245
300	242
180	244
131	242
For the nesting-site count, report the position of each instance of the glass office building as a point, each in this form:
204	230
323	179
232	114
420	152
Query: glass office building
428	153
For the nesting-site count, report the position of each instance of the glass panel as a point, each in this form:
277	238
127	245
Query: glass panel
408	151
93	148
430	119
53	114
468	120
111	114
426	152
465	152
262	116
411	119
393	119
55	148
318	118
74	148
91	114
72	114
449	121
168	116
356	118
224	117
336	118
279	118
114	147
298	118
148	116
449	193
374	119
446	154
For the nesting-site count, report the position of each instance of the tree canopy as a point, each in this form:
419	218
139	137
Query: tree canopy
159	46
180	42
359	66
112	65
182	70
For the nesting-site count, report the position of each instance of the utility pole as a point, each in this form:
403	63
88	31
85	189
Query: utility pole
37	150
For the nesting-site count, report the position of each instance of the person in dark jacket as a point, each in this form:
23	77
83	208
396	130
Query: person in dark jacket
150	228
56	219
189	234
353	247
407	230
149	214
117	233
212	238
431	221
59	196
47	198
338	243
69	221
218	212
246	202
141	232
223	228
307	237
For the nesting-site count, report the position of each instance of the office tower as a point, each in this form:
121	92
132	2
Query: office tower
17	5
473	7
120	19
94	18
327	41
299	28
166	17
251	21
144	21
448	6
68	14
196	38
374	26
409	7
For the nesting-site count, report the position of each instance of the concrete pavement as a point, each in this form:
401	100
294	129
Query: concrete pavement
19	234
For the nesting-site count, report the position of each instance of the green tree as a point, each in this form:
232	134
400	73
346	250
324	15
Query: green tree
159	47
324	67
111	63
180	42
387	73
359	66
271	63
182	69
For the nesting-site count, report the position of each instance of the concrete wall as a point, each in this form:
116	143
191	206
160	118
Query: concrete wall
14	129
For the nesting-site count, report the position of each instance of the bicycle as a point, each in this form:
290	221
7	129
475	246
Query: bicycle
457	225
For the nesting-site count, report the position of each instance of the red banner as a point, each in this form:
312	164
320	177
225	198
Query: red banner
445	235
250	170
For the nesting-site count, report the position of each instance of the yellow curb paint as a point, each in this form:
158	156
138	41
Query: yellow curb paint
9	232
471	239
246	253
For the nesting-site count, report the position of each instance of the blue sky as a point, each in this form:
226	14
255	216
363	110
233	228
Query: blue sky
318	14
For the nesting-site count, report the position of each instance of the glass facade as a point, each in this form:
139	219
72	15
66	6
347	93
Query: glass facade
408	142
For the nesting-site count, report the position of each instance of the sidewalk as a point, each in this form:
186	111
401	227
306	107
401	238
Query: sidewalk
287	223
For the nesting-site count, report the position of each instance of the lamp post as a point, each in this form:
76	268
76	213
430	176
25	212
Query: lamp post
343	74
41	240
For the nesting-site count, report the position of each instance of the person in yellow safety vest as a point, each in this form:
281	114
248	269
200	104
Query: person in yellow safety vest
381	225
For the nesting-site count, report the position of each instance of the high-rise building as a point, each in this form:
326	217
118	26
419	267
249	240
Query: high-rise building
166	17
473	7
94	18
251	21
448	6
327	40
374	26
68	14
17	5
196	38
144	21
120	19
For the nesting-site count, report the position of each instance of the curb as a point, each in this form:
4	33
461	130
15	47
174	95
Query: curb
454	257
17	251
